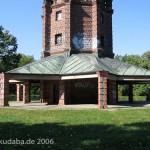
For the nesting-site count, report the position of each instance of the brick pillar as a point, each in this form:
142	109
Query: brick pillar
94	27
26	92
19	92
4	89
112	91
41	92
61	93
46	19
130	93
67	26
102	90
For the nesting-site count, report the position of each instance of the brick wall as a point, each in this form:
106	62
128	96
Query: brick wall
46	20
57	27
104	26
112	92
81	27
49	92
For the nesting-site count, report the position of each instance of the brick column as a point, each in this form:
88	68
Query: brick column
95	27
4	89
102	90
67	26
19	92
61	93
46	19
41	92
112	91
26	92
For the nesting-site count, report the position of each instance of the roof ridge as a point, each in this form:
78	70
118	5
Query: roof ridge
66	59
105	65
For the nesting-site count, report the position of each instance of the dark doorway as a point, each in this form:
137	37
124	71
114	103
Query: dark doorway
84	91
55	94
34	91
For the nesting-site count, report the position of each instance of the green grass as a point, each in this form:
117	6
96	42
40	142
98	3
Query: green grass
77	129
12	97
135	98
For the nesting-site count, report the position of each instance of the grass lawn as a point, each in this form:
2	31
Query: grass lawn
76	129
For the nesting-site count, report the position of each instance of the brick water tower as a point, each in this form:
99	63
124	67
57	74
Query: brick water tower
77	26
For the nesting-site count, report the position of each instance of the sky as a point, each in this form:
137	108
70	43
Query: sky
131	25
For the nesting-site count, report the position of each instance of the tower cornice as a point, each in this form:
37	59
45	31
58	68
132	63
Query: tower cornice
48	1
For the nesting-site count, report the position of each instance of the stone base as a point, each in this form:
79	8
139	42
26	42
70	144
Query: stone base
2	104
101	105
61	102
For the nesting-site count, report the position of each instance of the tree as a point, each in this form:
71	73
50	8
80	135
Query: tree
9	58
130	59
146	60
146	56
25	59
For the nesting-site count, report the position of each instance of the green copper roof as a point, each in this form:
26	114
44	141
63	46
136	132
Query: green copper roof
83	63
78	64
121	68
48	65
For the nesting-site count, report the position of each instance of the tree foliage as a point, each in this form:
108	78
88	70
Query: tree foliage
25	59
137	60
9	58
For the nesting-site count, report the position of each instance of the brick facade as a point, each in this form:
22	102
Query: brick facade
112	92
84	26
81	28
49	92
46	17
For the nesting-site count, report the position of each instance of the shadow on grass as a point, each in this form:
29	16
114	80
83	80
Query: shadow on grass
78	137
